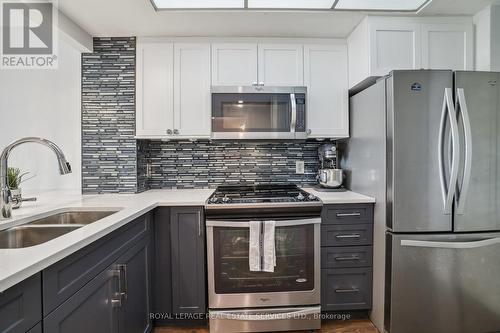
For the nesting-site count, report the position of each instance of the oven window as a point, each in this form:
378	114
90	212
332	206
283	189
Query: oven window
251	112
294	269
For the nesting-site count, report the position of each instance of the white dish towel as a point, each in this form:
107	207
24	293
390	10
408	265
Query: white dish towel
254	258
269	246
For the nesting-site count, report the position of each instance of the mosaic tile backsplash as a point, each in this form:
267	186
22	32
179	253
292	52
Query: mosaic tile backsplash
109	149
209	164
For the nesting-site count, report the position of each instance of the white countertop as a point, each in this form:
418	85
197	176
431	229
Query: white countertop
19	264
346	197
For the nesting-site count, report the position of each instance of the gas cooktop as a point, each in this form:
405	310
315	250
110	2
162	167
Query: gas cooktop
261	194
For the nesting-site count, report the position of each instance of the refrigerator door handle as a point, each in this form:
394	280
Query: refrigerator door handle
448	189
451	245
464	112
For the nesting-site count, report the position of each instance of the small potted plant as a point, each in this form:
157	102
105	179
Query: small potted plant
14	178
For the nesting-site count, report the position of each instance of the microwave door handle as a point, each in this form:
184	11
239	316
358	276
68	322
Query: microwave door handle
293	121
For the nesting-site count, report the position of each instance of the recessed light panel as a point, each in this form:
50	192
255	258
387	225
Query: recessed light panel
199	4
393	5
290	4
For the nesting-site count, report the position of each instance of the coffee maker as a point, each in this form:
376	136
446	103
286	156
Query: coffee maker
328	174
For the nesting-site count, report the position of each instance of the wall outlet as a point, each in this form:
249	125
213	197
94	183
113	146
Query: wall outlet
299	167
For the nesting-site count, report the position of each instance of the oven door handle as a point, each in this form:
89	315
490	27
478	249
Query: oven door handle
246	316
246	224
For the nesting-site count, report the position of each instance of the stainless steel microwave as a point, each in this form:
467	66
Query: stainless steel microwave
259	112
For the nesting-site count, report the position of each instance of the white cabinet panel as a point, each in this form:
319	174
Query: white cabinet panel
326	78
281	64
154	88
446	46
394	46
234	64
192	89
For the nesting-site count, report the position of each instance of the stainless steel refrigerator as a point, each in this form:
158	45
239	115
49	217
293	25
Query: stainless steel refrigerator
426	144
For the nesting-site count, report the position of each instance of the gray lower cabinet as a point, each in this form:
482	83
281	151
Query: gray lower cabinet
93	308
134	268
346	257
21	306
189	277
117	298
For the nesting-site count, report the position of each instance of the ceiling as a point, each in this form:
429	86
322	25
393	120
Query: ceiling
138	18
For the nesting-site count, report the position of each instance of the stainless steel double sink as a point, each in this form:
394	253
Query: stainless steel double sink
44	229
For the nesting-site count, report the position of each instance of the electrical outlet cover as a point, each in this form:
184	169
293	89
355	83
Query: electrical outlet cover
299	167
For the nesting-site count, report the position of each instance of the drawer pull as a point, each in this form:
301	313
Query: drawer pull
348	236
347	258
348	214
352	290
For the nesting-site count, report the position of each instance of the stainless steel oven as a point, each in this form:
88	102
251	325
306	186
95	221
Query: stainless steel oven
259	112
246	301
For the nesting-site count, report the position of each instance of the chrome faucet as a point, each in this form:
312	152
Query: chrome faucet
5	195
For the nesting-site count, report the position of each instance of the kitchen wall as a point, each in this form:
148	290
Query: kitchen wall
44	103
208	164
113	161
109	149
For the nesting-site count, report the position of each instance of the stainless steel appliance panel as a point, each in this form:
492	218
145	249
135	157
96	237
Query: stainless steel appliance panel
259	112
443	283
295	282
478	106
414	115
266	320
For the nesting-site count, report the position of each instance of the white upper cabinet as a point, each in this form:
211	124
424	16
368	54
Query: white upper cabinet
381	44
447	46
281	64
394	45
192	90
155	65
234	64
326	78
173	90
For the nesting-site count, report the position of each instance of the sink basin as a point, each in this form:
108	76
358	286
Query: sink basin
77	218
24	236
46	228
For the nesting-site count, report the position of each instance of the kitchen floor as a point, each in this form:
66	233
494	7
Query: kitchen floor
350	326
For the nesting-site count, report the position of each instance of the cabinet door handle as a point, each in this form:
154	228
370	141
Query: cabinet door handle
124	291
346	258
348	214
117	302
348	236
352	290
199	224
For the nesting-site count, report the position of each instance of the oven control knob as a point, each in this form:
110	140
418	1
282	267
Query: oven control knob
300	197
214	200
226	200
311	197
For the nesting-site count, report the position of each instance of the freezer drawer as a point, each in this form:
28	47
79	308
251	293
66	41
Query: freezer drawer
443	283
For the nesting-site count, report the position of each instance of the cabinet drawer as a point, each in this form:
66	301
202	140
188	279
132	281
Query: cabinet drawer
21	306
346	235
69	275
345	257
346	289
347	214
